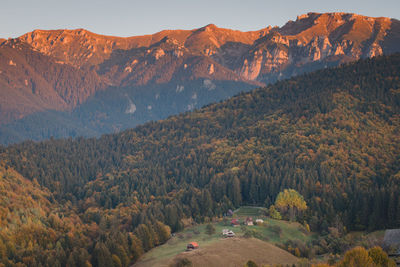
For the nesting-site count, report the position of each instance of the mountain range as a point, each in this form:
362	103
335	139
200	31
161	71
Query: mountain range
68	83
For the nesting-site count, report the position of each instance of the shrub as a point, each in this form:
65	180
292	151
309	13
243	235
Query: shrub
210	229
356	257
181	262
250	263
275	229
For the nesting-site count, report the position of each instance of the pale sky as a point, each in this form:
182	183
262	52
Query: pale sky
129	18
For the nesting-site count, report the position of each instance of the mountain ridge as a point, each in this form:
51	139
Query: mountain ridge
76	66
339	26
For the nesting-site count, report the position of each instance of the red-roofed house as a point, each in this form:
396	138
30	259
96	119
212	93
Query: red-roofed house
192	245
235	222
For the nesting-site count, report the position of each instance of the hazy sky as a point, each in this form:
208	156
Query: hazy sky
128	18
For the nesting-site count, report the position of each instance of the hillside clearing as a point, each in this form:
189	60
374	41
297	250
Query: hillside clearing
230	252
276	232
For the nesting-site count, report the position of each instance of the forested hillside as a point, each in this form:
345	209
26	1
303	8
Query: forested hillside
332	135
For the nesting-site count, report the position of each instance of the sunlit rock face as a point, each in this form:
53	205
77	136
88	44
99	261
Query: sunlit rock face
61	69
255	55
317	39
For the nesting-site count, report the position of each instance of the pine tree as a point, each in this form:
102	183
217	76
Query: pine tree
136	247
236	194
163	231
144	234
101	256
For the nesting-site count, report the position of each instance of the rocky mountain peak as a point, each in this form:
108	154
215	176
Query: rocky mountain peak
209	27
67	67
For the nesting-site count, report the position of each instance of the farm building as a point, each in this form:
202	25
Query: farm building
391	241
249	221
228	233
235	222
192	245
259	221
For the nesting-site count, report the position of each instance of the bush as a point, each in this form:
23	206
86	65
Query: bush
265	238
380	257
252	233
274	214
298	248
248	234
182	262
210	229
356	257
250	263
275	229
180	236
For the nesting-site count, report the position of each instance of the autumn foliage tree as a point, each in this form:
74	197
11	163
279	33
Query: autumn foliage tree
360	257
380	257
290	202
274	214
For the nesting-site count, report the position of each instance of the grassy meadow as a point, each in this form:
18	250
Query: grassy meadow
273	231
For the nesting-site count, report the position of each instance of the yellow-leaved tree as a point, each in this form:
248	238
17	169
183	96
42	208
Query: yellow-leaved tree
360	257
290	202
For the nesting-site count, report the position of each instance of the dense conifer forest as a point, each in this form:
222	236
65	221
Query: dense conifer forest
333	136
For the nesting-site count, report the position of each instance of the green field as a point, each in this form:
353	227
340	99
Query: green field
273	231
250	211
269	230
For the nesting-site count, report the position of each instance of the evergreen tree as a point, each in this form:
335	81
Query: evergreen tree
236	192
145	235
101	256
